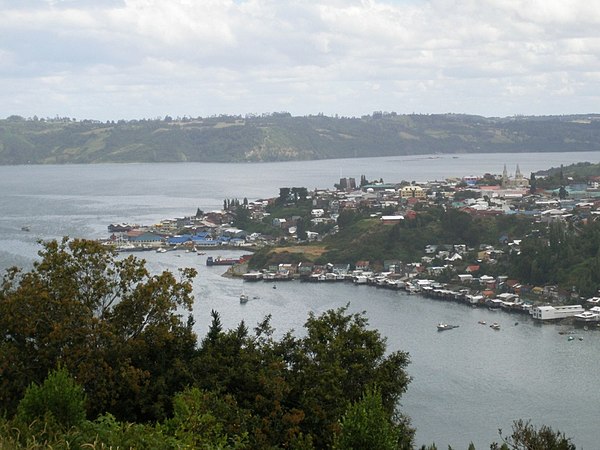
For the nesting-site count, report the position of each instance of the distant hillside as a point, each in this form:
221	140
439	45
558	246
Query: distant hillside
281	137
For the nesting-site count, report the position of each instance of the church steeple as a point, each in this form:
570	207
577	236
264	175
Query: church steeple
504	177
518	175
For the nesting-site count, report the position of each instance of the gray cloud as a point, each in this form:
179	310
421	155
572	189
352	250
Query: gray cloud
147	58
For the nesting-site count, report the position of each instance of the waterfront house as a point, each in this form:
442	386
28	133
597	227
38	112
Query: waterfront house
147	239
392	265
362	265
465	278
555	312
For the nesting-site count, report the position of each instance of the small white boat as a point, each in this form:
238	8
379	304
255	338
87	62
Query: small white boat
243	298
444	326
495	326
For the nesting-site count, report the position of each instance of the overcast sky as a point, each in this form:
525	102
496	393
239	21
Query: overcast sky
128	59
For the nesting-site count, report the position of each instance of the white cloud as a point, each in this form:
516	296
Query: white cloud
147	58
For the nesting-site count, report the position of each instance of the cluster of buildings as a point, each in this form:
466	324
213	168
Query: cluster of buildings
485	195
391	203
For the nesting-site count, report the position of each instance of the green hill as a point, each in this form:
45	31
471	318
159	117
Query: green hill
281	137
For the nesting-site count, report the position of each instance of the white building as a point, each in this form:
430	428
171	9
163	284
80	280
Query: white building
555	312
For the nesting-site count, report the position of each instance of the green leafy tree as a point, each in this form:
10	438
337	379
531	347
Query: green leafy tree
334	363
562	193
347	217
301	229
532	183
115	327
525	436
284	195
295	390
366	424
207	420
58	399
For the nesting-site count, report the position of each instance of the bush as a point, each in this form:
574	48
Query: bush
59	399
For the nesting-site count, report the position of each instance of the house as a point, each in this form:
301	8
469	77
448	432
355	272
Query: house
391	220
312	236
411	191
431	249
305	269
555	312
147	239
465	278
279	222
392	265
362	265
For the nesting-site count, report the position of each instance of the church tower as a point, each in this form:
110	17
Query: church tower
504	177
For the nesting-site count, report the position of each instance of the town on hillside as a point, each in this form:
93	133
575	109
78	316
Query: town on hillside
284	229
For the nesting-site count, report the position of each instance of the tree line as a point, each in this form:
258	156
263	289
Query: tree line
281	137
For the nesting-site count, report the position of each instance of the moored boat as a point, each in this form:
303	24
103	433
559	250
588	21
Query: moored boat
591	315
218	261
444	326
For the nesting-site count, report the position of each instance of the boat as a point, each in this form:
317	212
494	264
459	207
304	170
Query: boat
495	326
25	228
243	298
482	322
218	261
444	326
591	315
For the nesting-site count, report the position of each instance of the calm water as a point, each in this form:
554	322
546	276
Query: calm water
468	382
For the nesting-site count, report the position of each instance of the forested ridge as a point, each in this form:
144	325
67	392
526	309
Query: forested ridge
282	137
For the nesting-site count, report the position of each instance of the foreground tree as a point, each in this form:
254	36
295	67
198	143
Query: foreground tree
525	436
366	424
110	323
59	400
337	360
295	390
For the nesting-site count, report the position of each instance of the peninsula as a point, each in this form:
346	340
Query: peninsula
503	241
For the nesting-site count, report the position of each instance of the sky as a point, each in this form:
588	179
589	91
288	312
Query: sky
134	59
